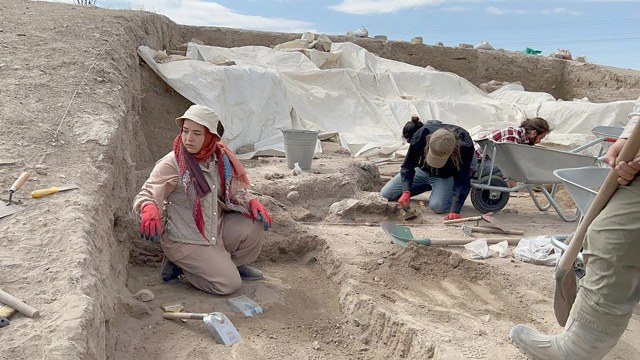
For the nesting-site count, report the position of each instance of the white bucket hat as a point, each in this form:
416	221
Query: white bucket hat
203	116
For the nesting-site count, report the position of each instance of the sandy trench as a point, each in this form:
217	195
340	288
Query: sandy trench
76	105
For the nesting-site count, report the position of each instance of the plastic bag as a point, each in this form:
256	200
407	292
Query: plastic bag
296	169
362	32
537	250
502	248
478	248
484	45
244	305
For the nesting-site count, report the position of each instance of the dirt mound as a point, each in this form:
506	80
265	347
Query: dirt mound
428	264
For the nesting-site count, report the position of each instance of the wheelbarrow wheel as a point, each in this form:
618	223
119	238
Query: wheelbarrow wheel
490	200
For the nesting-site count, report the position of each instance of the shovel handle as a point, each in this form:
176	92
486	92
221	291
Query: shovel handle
489	230
606	191
455	221
182	315
44	192
18	183
18	304
462	242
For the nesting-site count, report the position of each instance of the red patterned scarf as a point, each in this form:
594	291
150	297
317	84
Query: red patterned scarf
192	176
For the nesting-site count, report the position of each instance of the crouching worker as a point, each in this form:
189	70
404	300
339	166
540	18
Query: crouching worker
213	227
610	289
438	160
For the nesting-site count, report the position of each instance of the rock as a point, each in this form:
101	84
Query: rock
245	149
417	40
316	345
344	207
144	295
293	196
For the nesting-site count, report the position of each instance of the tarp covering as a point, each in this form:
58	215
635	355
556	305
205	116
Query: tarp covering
363	99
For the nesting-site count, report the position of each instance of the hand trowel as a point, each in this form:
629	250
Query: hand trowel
11	208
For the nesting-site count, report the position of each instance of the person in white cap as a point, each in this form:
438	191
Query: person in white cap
438	160
610	289
213	228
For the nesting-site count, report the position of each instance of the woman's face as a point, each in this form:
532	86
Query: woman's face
193	135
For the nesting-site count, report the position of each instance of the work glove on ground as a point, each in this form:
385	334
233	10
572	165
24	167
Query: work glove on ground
151	223
405	200
452	216
260	213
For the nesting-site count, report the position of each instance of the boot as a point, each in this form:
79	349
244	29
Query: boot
577	341
170	272
249	273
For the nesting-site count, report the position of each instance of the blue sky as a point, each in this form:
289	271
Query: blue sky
607	32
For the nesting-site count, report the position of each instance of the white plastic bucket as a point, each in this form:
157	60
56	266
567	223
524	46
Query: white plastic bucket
299	146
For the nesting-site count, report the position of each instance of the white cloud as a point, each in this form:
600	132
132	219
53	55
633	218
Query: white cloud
503	11
365	7
560	10
457	9
203	13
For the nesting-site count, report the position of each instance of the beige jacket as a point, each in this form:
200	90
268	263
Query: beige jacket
164	189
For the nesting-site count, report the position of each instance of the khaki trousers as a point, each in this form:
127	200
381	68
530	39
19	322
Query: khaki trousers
611	286
214	268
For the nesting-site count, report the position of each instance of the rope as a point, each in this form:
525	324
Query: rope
95	60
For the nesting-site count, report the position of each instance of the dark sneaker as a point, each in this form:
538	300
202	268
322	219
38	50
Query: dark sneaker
170	272
249	273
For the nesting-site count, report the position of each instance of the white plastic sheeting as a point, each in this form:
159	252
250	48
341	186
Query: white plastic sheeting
363	99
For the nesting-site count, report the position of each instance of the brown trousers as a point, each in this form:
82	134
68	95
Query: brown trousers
213	269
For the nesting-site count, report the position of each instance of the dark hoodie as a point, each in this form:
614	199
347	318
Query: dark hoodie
415	158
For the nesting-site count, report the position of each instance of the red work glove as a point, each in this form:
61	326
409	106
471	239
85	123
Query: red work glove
151	224
405	200
260	213
453	216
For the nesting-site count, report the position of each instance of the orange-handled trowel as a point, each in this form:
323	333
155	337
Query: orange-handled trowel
52	190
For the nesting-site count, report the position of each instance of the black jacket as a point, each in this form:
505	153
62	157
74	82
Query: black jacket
415	158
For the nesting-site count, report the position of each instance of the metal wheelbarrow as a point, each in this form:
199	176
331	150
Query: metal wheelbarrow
582	184
532	167
605	135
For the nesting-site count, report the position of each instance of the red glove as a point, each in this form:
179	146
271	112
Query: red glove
260	213
405	200
453	216
151	224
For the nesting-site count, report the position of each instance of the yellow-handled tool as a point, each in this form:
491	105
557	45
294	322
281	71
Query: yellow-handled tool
52	190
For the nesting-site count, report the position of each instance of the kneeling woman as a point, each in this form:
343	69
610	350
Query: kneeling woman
213	228
439	160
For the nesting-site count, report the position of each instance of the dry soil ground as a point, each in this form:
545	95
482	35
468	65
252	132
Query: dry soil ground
76	106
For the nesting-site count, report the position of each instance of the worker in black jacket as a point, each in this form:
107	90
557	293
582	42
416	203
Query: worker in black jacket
439	160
